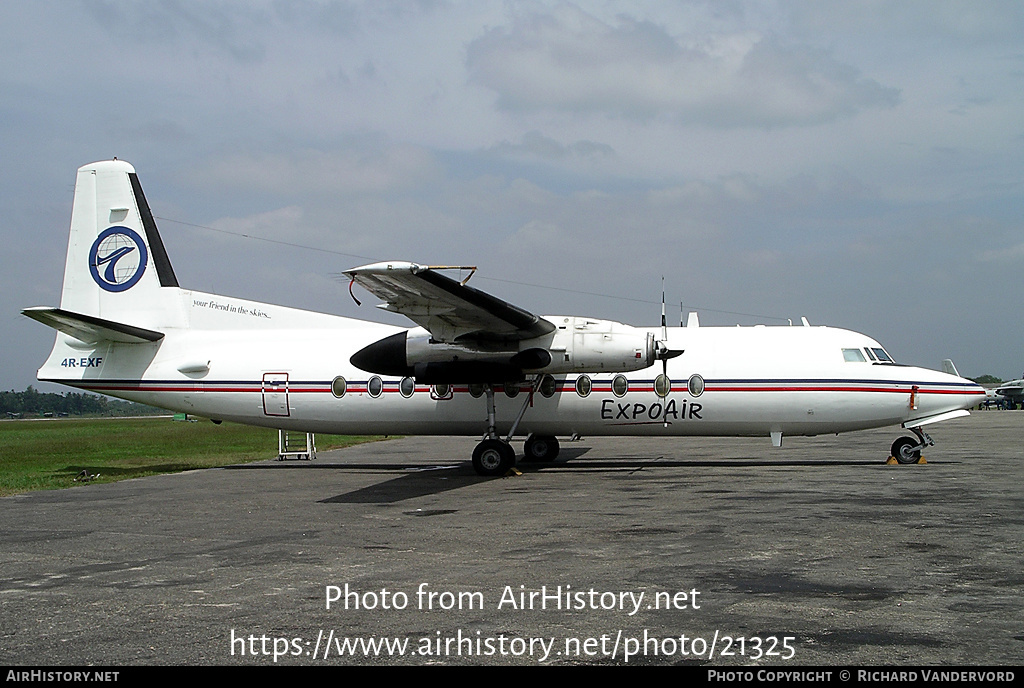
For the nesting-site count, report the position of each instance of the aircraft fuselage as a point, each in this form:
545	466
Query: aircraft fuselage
280	367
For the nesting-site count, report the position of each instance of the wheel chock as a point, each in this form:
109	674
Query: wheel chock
891	461
512	472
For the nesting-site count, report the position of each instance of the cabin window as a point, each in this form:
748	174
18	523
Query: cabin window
375	386
442	390
695	385
407	386
511	389
882	356
476	389
339	386
583	385
548	386
620	385
853	356
662	385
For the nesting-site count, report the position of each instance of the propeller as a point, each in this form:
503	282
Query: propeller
663	353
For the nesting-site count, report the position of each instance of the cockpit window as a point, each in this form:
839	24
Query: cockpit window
871	355
853	356
882	356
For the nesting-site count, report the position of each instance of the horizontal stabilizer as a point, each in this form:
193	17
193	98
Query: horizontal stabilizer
91	329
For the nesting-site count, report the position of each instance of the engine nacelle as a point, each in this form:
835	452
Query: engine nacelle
587	345
414	353
577	345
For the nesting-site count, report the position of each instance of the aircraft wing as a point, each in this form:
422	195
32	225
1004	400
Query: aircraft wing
1011	389
446	308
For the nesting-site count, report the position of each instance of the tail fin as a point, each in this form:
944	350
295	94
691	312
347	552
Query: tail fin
117	268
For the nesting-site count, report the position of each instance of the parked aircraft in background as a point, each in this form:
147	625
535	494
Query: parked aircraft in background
474	365
1011	393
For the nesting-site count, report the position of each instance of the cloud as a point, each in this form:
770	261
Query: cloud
549	145
535	236
536	144
1012	254
363	166
570	61
221	26
946	21
274	223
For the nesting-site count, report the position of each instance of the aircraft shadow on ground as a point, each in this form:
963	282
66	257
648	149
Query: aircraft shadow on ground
423	480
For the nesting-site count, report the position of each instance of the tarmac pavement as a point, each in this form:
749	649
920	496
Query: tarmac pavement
648	551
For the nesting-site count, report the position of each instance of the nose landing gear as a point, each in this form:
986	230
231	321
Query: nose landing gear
908	449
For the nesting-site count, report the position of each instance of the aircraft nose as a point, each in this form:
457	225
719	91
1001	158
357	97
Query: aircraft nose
973	393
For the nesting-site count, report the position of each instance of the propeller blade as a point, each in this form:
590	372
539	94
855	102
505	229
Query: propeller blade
664	402
663	353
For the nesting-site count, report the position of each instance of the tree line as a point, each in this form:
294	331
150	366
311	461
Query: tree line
32	402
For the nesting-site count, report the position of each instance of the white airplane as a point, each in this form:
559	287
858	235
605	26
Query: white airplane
1011	392
475	365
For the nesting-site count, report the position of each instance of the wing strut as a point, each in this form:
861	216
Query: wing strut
526	404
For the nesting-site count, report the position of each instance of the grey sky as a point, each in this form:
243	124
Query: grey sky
860	164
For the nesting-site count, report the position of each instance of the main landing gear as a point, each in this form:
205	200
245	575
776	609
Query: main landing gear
495	456
908	449
540	448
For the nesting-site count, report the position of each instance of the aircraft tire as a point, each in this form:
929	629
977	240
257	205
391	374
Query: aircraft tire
541	448
903	450
493	458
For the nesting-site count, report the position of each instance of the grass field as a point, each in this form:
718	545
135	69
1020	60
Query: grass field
49	454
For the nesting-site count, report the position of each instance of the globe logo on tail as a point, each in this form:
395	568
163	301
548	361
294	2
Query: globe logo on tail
117	259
